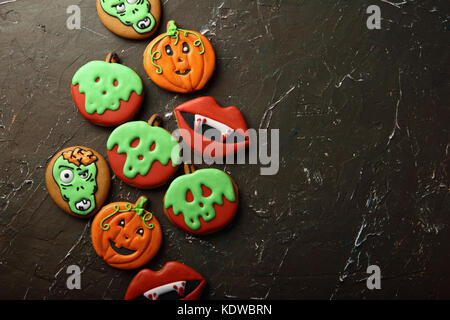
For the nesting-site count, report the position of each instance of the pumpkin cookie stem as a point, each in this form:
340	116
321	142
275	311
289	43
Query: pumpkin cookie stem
155	120
112	57
140	203
188	168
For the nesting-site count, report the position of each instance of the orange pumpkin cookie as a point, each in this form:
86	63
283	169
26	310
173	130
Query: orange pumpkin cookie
180	60
78	180
125	235
132	19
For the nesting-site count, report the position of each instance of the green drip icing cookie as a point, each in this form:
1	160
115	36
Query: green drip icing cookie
105	85
155	144
217	181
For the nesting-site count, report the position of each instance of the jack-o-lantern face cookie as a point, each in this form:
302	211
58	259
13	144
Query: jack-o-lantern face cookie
202	201
180	60
175	281
131	19
125	235
143	154
78	180
107	93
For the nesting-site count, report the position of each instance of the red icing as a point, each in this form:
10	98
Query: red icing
208	107
109	118
172	272
156	176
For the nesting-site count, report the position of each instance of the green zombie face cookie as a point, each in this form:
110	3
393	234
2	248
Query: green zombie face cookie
75	173
134	13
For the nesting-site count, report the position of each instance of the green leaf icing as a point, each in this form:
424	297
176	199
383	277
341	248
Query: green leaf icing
105	84
138	208
217	181
135	13
140	158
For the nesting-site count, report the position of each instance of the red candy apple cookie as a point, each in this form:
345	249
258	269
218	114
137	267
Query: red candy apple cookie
210	129
202	201
107	93
125	235
175	281
180	60
142	154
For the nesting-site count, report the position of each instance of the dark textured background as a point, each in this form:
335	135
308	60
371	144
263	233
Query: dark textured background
364	143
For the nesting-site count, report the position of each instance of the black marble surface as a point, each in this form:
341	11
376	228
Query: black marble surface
364	149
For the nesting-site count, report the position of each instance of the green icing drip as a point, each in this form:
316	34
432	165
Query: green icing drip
219	183
166	147
102	95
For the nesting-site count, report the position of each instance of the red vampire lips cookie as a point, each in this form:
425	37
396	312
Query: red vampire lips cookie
175	281
210	129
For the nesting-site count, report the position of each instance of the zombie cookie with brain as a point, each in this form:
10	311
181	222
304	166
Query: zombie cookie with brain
132	19
78	180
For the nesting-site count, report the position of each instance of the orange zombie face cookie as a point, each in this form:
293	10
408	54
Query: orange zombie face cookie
125	235
78	180
180	60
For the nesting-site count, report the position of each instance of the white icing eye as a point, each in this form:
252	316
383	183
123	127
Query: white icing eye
131	1
143	24
84	174
120	8
66	176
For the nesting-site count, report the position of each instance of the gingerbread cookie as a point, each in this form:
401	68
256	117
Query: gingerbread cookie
78	180
143	154
125	235
180	60
175	281
210	129
107	93
202	201
131	19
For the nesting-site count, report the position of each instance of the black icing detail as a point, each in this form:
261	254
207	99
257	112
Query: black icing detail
183	73
122	251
